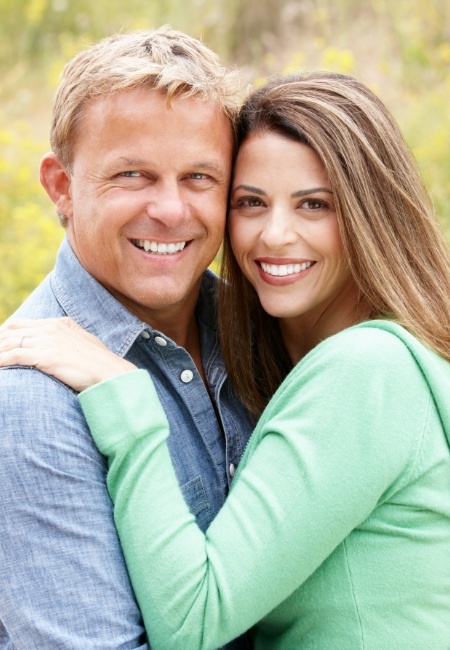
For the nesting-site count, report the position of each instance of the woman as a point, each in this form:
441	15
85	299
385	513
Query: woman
336	533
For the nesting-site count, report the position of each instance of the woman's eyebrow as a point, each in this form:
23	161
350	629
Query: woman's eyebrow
249	188
311	190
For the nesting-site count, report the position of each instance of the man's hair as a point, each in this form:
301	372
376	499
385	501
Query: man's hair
163	59
392	243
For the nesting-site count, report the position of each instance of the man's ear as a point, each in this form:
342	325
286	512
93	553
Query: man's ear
56	181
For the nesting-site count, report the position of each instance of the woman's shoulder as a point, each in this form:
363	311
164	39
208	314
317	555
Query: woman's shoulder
374	344
362	355
373	337
363	379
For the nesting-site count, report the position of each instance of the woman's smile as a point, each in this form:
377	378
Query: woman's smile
283	272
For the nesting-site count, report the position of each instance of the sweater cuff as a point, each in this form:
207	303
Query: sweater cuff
121	409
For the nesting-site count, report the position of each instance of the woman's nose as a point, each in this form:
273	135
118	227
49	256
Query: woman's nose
279	229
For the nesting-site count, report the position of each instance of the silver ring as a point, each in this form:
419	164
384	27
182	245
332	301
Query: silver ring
21	341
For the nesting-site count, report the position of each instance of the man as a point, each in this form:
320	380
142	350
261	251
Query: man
142	144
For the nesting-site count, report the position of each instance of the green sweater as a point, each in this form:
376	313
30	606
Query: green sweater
336	532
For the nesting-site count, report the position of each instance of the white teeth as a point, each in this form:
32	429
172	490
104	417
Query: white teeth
284	269
161	249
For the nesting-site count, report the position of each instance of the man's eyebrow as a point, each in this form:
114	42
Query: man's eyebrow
205	165
311	190
133	162
249	188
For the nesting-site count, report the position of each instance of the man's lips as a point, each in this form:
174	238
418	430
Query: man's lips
166	248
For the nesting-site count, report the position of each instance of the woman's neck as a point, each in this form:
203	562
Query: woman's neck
301	335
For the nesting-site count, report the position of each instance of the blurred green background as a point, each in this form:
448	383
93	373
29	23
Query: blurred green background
401	49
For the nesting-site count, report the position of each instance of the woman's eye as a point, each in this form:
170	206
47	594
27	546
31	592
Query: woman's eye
249	202
314	204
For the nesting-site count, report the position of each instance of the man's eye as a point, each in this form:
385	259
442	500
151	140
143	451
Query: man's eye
131	174
197	176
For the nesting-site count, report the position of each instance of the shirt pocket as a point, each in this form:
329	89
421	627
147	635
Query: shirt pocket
194	494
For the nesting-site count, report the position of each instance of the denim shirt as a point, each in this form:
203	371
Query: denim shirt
63	581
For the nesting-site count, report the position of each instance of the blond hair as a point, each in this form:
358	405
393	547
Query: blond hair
163	59
395	249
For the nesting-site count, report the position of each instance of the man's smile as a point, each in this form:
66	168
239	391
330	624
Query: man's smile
150	246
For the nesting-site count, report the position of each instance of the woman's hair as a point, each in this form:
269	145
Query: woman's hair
394	247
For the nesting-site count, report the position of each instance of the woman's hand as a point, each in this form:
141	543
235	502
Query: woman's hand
60	347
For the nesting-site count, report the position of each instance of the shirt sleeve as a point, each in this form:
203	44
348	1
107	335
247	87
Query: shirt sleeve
63	579
338	437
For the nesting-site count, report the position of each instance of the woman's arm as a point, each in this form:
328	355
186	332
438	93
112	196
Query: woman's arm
61	348
321	457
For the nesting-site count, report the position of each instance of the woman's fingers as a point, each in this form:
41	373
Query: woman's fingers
14	355
59	347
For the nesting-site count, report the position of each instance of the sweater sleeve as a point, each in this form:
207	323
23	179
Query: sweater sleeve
340	435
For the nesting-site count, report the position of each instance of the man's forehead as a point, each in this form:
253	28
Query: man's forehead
156	99
135	123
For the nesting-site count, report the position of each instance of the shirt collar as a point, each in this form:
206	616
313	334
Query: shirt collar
88	303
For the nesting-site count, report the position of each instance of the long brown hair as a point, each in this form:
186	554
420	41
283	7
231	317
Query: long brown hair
395	249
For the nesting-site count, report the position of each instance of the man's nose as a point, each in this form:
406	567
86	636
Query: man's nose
167	205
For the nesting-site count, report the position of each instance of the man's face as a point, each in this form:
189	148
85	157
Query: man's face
147	197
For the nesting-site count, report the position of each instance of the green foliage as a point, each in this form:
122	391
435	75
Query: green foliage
426	123
29	234
400	49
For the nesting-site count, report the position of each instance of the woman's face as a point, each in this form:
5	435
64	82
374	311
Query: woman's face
285	234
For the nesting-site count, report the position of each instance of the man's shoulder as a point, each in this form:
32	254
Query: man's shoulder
70	290
41	303
27	387
33	404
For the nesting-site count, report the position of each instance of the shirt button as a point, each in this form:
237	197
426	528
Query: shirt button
186	376
145	334
232	470
160	341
